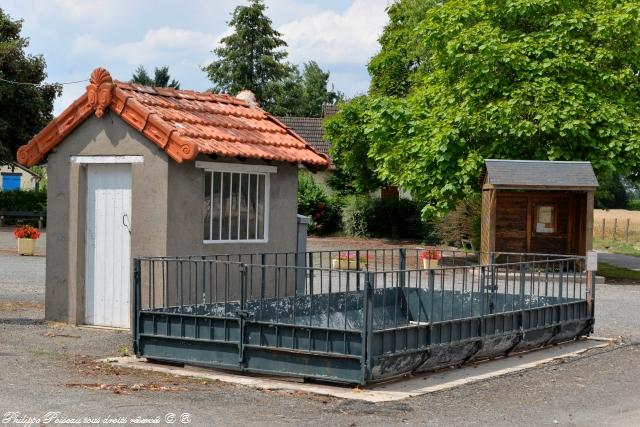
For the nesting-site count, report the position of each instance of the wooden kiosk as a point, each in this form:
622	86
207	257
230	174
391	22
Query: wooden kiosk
537	206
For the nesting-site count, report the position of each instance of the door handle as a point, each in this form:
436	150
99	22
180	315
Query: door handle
126	222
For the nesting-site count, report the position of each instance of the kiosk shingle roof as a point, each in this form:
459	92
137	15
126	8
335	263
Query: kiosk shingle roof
538	173
181	122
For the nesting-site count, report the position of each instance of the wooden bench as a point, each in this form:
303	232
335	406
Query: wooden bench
23	214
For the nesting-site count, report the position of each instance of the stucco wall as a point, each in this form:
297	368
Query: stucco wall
167	218
110	136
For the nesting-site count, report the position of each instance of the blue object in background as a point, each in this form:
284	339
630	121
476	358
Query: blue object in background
11	181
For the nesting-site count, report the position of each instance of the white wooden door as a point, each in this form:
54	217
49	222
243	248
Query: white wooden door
107	245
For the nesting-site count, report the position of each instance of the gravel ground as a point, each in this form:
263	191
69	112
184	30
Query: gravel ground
47	367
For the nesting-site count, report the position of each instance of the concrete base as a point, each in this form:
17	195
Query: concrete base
383	392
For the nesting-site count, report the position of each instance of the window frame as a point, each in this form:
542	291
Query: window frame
234	168
554	218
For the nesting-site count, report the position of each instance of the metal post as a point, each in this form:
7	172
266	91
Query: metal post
136	306
560	291
523	271
301	249
482	299
310	271
367	328
263	279
242	315
603	225
403	267
357	269
432	284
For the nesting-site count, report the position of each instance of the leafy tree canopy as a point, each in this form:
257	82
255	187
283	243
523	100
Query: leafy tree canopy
161	78
253	57
350	145
402	53
24	108
612	193
522	79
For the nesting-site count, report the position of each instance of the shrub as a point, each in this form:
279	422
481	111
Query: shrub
323	211
31	201
463	222
396	219
363	216
634	204
355	215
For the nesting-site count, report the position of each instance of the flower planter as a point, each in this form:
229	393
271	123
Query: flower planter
346	264
429	264
26	246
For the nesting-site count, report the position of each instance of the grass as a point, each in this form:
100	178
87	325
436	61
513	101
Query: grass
616	247
612	272
123	351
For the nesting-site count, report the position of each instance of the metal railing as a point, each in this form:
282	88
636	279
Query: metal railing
364	304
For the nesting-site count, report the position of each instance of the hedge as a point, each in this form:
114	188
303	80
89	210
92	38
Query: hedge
30	201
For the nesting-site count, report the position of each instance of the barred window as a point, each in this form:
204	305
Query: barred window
236	205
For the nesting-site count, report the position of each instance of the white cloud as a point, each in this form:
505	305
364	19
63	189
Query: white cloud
164	44
76	36
84	9
330	37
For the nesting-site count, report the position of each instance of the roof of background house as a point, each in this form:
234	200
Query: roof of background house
541	174
310	128
181	122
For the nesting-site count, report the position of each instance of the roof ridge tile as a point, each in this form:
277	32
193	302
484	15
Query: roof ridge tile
181	122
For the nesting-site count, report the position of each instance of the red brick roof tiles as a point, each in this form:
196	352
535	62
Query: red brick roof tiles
181	122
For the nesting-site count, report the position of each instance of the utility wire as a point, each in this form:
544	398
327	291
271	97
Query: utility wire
41	84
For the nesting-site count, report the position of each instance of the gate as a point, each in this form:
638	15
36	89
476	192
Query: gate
377	316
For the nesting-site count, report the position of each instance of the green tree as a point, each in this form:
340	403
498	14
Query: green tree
350	145
24	108
612	193
161	78
252	57
303	95
527	79
315	82
402	54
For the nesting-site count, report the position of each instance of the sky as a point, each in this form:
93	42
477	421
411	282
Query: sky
76	36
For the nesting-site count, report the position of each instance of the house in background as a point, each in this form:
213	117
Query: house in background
14	177
311	130
138	171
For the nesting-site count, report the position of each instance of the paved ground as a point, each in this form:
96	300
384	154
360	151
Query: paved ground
619	260
50	367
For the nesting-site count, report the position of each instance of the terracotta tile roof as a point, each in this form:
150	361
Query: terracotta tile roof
181	122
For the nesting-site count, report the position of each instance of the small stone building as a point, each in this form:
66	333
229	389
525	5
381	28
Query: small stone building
537	206
141	171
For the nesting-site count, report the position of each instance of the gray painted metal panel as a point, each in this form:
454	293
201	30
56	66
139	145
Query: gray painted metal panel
368	325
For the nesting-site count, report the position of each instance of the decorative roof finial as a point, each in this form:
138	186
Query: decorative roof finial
99	90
